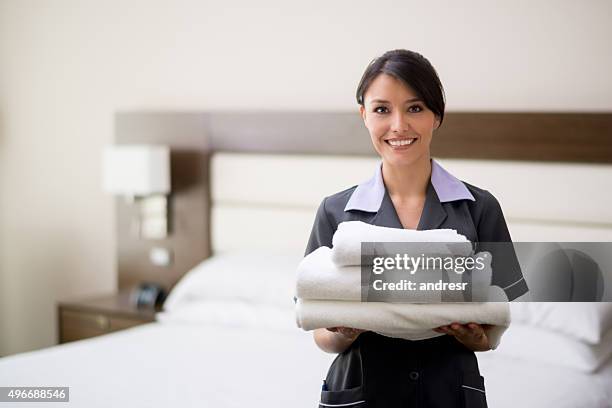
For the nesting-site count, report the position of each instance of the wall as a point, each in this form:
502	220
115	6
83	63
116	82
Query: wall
67	66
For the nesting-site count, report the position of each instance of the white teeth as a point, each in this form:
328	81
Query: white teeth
401	142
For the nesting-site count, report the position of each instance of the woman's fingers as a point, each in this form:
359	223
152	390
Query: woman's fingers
349	331
460	330
343	330
470	334
477	330
468	330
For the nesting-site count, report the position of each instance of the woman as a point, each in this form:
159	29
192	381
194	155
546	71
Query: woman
402	103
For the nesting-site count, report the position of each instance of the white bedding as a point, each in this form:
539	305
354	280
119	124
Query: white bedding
182	364
518	383
178	365
235	348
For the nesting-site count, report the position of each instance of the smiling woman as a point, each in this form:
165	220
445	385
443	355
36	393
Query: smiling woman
400	124
401	102
401	108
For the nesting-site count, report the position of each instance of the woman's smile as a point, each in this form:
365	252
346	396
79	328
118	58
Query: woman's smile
401	144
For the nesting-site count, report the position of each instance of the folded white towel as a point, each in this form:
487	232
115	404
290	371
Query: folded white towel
402	320
348	237
319	278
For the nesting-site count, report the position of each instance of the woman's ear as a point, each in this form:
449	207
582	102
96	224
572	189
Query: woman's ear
437	123
362	112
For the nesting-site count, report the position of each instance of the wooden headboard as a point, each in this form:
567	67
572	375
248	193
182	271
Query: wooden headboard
194	136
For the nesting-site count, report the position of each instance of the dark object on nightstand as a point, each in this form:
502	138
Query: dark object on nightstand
81	319
147	296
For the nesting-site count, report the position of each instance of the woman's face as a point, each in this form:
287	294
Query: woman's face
400	124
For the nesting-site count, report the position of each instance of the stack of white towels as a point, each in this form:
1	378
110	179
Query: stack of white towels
328	288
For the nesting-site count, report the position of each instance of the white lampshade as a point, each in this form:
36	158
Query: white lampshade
137	170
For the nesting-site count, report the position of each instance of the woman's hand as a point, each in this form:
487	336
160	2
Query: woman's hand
336	339
471	335
349	333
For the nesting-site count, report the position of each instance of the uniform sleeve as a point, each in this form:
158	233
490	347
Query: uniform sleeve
492	229
322	230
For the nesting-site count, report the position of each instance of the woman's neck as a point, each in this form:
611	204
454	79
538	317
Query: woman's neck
407	182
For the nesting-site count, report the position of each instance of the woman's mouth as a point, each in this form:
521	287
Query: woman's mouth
403	143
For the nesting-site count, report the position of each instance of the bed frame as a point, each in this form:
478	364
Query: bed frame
254	179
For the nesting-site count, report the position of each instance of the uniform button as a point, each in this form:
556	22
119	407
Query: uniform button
413	375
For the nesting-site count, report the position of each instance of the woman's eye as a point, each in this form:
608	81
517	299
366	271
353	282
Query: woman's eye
415	109
381	109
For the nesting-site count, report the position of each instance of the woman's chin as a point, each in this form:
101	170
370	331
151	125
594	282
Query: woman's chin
401	160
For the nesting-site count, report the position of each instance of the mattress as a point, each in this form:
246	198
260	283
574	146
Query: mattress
195	365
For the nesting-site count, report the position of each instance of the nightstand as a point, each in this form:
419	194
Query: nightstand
84	318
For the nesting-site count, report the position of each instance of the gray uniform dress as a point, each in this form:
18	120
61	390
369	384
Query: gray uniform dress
379	371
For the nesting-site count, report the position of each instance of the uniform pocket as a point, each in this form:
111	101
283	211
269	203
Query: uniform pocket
474	391
352	397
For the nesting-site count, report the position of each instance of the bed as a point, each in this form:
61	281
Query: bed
228	337
221	366
239	359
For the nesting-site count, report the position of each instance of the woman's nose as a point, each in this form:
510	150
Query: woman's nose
399	123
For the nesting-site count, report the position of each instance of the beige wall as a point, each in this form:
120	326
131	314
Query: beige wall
66	66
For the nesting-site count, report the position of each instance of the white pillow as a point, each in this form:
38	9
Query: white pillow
255	277
536	344
586	321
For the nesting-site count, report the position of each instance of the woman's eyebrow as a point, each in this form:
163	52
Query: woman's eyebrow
407	100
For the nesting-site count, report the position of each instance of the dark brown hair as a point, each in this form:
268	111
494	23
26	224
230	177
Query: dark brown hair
412	69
